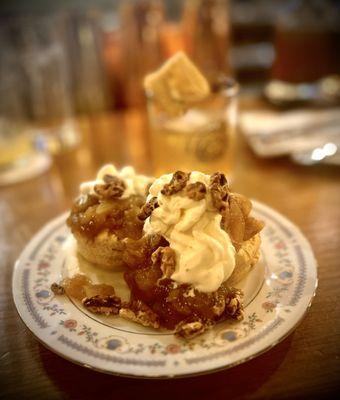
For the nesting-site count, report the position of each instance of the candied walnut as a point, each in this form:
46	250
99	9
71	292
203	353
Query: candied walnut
178	182
233	304
253	226
196	191
188	330
147	209
219	196
219	190
139	312
219	305
219	179
57	288
108	305
112	188
166	258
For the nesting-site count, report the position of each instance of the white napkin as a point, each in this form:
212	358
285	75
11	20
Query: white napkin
273	133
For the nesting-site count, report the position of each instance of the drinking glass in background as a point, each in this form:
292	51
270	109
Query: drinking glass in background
45	67
22	153
141	35
203	138
82	38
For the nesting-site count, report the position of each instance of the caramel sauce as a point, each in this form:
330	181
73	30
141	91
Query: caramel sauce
80	286
172	302
90	216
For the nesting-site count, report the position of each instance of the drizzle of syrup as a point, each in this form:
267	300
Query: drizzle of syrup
171	301
90	216
80	286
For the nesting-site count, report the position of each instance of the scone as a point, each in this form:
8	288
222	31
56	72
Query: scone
104	250
106	213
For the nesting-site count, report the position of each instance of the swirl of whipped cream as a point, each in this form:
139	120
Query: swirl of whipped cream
205	256
135	184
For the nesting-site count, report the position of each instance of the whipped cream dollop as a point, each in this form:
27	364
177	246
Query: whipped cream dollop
205	256
135	184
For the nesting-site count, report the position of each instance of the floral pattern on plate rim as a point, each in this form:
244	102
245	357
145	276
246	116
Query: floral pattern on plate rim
285	285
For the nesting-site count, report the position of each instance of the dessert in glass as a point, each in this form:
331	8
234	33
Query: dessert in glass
191	117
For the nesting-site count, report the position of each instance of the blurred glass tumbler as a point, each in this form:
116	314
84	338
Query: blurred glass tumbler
47	70
202	139
14	142
21	154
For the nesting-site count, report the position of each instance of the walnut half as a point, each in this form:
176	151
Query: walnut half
147	209
108	305
196	191
234	304
219	190
57	288
112	188
178	182
188	330
139	312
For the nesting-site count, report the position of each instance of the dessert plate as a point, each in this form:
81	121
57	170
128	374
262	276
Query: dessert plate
278	292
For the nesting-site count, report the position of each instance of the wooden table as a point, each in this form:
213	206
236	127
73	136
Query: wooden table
306	364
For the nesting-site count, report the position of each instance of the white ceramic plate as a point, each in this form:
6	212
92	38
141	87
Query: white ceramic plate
278	293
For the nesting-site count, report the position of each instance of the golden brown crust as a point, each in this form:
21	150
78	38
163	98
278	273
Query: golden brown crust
246	258
104	251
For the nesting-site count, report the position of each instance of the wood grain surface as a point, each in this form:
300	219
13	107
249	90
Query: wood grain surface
305	365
